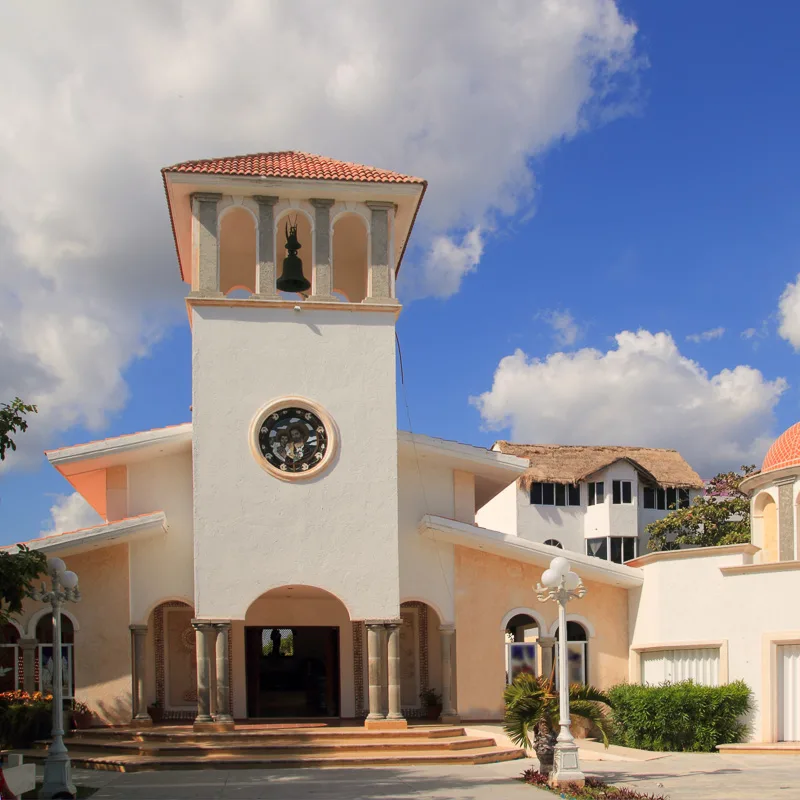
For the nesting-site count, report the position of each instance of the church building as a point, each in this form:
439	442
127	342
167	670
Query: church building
290	553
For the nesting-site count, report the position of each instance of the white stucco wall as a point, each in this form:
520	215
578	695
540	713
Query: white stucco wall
161	566
689	600
426	567
501	513
254	532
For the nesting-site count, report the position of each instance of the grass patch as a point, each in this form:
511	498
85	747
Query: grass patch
594	789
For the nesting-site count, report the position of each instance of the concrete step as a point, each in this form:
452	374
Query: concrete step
761	749
136	763
98	747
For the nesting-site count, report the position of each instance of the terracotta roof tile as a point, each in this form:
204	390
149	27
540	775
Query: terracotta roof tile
292	164
785	450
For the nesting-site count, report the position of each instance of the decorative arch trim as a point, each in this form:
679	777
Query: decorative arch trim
145	618
443	620
30	629
761	501
536	616
588	627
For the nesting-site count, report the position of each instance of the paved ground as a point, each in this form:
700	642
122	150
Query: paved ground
680	776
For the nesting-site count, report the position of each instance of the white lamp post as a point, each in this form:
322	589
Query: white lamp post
561	585
57	766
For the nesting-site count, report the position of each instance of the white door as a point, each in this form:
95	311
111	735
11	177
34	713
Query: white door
789	693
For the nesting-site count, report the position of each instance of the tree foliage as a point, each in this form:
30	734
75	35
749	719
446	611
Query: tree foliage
18	571
12	420
532	713
721	515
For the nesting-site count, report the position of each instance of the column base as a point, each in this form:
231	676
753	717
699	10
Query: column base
450	719
213	726
385	724
566	767
142	722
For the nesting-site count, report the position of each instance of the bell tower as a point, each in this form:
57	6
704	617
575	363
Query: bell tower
292	260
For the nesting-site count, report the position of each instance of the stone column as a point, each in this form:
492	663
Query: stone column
786	521
223	705
138	648
546	648
449	713
374	630
28	647
322	273
205	206
384	673
379	281
202	630
265	280
393	672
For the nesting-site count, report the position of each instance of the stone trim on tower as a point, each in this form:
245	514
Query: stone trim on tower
205	207
379	281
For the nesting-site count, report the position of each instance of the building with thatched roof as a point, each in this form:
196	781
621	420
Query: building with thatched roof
596	499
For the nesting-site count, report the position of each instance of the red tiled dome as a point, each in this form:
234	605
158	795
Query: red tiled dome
785	450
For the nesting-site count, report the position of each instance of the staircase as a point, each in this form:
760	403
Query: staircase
264	746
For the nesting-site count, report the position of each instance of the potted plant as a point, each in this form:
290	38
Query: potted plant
532	714
156	712
432	703
81	715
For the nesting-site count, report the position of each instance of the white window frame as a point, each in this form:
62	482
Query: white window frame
608	547
70	647
635	661
15	647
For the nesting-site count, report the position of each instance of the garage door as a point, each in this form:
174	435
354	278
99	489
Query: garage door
789	693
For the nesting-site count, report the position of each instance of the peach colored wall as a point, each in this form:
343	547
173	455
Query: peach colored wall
102	643
487	588
92	485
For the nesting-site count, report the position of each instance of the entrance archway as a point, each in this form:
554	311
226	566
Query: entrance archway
298	655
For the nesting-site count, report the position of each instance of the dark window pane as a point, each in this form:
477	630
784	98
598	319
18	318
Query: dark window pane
616	492
536	494
575	495
683	498
628	548
616	549
649	497
600	491
548	494
661	499
597	547
561	494
626	491
591	494
672	498
575	632
554	543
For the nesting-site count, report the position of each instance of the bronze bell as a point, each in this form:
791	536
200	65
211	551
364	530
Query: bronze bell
292	278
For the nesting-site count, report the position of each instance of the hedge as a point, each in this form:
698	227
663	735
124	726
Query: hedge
24	718
683	717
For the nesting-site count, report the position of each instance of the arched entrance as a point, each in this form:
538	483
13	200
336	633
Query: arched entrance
521	638
295	641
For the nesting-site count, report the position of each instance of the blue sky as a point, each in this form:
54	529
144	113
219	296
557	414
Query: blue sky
672	211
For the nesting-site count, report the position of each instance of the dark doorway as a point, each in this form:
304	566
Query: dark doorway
292	672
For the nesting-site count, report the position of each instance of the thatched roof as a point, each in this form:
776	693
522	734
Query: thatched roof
564	463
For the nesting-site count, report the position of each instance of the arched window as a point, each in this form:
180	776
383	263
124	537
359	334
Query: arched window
44	666
522	633
577	655
9	658
554	543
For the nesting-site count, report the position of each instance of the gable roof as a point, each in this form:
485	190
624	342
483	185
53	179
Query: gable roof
561	463
292	164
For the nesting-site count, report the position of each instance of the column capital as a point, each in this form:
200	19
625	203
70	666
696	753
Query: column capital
321	202
203	624
137	628
380	205
547	641
266	199
222	625
27	644
382	623
447	629
207	197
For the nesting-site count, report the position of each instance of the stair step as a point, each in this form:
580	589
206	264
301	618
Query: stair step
484	755
169	749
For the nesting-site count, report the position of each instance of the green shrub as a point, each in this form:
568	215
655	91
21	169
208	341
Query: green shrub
682	716
24	719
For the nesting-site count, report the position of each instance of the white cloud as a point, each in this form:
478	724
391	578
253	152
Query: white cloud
71	512
96	97
789	314
706	336
566	331
642	392
748	333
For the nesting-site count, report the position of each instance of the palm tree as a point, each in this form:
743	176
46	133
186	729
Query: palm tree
532	713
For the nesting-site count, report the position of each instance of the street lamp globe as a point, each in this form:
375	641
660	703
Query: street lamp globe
69	580
56	566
